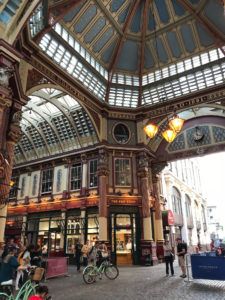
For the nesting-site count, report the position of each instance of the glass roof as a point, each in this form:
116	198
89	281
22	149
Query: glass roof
52	123
112	49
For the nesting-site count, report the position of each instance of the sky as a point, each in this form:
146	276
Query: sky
212	170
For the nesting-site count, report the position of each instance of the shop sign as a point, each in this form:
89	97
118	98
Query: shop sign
124	201
168	217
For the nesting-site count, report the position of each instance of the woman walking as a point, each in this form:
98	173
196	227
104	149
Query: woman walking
168	255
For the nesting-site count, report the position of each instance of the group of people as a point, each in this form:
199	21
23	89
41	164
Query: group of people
90	252
218	246
16	260
169	257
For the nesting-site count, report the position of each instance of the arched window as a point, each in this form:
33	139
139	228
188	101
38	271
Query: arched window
59	180
187	206
176	201
23	183
34	186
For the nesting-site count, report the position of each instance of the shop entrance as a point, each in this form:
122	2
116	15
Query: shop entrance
124	237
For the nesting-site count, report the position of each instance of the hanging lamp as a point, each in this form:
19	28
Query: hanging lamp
151	130
169	135
176	123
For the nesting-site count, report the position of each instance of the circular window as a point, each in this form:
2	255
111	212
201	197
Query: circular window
121	133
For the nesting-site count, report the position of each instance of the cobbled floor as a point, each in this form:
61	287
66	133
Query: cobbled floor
135	283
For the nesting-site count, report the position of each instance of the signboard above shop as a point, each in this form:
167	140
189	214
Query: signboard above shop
168	217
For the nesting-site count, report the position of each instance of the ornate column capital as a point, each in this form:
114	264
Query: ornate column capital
5	74
84	158
156	168
103	163
5	102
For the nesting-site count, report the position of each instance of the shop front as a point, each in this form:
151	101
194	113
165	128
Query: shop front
125	236
47	231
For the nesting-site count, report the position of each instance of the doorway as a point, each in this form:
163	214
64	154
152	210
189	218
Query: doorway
123	239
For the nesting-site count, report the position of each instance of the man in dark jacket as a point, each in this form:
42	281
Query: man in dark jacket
78	254
181	251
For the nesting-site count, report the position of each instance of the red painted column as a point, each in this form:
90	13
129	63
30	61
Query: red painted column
103	173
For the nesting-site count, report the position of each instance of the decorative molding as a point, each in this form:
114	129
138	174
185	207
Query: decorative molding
186	103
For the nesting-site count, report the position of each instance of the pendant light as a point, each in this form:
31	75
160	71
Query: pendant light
169	135
176	123
151	130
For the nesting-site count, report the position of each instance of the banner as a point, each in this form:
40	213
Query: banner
208	267
57	266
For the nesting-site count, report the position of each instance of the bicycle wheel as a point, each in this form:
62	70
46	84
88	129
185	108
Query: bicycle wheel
4	296
111	272
89	274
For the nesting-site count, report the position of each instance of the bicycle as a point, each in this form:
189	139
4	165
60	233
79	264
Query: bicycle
91	272
26	290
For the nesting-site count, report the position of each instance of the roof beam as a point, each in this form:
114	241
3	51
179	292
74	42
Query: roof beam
51	19
118	49
142	56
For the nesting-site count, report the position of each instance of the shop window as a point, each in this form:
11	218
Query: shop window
75	177
47	181
59	180
23	183
93	178
34	185
176	201
92	227
122	172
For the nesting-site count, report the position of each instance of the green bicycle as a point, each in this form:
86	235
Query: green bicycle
26	290
91	272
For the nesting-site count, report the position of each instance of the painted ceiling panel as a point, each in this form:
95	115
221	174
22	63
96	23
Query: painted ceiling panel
123	15
151	21
160	48
205	38
129	56
178	8
96	28
162	11
188	38
103	40
116	4
174	43
137	19
149	61
85	19
107	54
71	14
215	14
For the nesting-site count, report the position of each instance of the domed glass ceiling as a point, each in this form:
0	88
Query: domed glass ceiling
134	53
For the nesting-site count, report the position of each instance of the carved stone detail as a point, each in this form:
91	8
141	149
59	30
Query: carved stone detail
5	74
143	160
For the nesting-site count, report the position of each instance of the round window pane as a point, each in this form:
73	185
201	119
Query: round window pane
121	133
